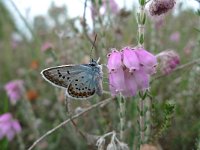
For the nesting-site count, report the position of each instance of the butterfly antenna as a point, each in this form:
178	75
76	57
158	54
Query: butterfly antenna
93	45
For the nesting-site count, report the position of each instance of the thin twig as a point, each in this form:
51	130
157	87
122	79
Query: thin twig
102	104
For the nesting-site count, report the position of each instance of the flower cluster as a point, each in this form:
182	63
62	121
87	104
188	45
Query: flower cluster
169	60
158	7
14	90
130	70
8	126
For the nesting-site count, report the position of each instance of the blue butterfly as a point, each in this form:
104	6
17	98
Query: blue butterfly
80	81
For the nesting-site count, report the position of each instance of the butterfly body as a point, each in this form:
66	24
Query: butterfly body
80	81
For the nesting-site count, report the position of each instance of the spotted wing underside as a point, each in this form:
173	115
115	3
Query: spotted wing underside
83	86
61	76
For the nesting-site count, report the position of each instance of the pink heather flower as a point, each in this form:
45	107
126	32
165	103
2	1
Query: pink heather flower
148	61
46	46
158	7
115	60
175	37
130	59
130	70
169	60
111	5
8	126
14	90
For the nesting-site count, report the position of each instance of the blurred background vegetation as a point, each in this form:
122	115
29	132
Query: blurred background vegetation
65	41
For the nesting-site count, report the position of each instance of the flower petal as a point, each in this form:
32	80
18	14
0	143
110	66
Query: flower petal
131	84
146	58
5	117
114	60
116	81
16	126
130	59
142	79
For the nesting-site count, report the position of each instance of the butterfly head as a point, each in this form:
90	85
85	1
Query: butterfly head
94	62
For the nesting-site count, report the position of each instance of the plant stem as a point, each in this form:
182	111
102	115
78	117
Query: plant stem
122	116
141	19
99	104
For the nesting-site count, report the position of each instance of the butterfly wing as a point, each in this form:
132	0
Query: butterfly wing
86	84
61	76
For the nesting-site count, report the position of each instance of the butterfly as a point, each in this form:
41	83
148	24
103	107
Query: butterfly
80	81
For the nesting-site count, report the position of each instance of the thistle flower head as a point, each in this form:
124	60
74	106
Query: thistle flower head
158	7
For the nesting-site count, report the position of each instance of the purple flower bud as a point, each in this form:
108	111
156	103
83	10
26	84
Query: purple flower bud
158	7
169	60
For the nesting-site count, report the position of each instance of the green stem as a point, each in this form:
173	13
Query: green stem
122	113
141	19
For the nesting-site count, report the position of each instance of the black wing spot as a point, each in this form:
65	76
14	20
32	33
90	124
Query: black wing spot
85	87
76	80
60	75
68	72
82	77
89	89
75	84
63	77
68	78
92	64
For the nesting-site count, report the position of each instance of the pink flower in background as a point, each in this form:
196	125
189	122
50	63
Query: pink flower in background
158	7
8	126
169	60
46	46
14	90
175	37
189	47
130	70
111	5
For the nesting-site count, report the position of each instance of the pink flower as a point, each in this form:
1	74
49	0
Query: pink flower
169	60
8	126
130	70
115	60
148	61
130	59
158	7
111	5
14	90
46	46
175	37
